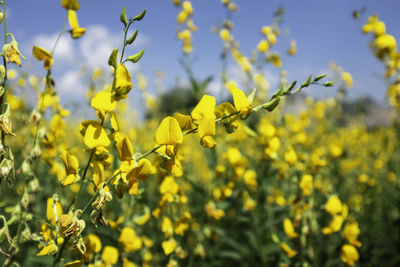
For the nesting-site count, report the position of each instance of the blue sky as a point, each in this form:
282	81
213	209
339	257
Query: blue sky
324	31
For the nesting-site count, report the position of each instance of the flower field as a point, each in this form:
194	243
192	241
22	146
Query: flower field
262	176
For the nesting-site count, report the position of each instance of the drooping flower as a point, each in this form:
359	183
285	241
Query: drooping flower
76	30
203	115
306	184
103	102
169	246
123	82
349	254
71	165
42	54
289	229
70	4
110	255
94	135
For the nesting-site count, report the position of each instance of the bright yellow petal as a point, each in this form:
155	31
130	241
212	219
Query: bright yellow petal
123	81
70	179
72	19
96	136
125	149
110	255
142	171
40	53
77	263
71	163
70	4
169	132
53	211
103	101
185	121
206	105
169	246
51	248
240	100
207	125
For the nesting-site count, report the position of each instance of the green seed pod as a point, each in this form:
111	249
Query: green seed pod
2	72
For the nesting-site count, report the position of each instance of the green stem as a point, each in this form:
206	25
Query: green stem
123	47
59	36
58	256
84	173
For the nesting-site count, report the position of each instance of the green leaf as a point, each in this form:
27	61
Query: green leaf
271	105
112	60
123	18
308	82
287	90
132	38
251	237
136	57
279	92
319	77
232	255
140	16
252	95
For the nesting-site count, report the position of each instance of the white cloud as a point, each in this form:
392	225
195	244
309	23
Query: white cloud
91	50
71	84
64	49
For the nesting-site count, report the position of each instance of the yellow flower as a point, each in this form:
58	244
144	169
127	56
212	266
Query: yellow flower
12	53
71	168
349	254
289	229
348	80
187	7
169	132
334	205
50	248
42	54
166	226
292	49
77	263
266	30
53	211
182	16
144	218
95	135
224	35
123	82
129	240
250	179
290	252
92	243
185	121
76	31
124	149
271	38
110	255
203	115
263	46
290	156
169	186
169	246
351	232
70	4
103	102
334	226
386	42
306	184
142	171
242	104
